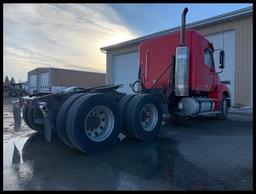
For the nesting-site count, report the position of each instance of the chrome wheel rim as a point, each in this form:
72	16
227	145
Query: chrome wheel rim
99	123
148	117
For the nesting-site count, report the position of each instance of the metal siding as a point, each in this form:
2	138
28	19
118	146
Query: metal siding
63	77
242	65
251	61
109	69
239	59
244	62
249	54
52	78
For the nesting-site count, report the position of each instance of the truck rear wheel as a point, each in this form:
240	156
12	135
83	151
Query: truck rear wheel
93	123
31	119
223	109
143	117
62	116
13	94
24	115
123	105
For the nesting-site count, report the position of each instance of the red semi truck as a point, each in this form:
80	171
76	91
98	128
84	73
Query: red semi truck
176	75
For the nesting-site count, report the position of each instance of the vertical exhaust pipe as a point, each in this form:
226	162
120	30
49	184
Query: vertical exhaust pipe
182	62
183	27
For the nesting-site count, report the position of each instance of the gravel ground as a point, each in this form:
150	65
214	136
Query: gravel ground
189	154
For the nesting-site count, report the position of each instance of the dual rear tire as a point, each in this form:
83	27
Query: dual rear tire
89	122
142	116
62	117
92	122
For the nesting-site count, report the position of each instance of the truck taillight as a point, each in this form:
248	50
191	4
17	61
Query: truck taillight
182	71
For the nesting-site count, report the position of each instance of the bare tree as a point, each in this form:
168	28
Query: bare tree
6	80
12	80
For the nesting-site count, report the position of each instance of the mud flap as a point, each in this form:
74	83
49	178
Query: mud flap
48	126
16	115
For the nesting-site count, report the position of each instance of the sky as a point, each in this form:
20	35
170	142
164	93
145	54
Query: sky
70	35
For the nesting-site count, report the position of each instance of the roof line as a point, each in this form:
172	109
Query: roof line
207	21
56	68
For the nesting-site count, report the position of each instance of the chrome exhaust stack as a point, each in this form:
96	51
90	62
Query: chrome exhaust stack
183	27
182	62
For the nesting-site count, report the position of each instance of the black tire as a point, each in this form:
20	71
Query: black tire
75	123
223	109
123	105
62	116
133	117
24	114
30	119
13	94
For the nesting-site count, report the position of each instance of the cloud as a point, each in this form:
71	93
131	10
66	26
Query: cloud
59	35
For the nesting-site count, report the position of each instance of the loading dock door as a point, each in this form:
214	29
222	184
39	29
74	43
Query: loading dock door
125	70
32	83
44	83
225	41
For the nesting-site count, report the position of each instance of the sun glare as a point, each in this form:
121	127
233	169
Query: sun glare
117	38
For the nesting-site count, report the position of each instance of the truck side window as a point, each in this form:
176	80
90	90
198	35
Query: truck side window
208	58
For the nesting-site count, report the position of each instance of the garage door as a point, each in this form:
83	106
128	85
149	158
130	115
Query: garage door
32	83
125	70
225	41
44	82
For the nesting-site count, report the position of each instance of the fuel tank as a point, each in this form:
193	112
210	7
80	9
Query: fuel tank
192	105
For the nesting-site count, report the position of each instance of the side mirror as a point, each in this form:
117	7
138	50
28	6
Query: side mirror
222	56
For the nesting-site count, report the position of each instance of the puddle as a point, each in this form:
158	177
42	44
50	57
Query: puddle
35	164
55	166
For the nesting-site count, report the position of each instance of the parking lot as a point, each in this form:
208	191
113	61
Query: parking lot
189	154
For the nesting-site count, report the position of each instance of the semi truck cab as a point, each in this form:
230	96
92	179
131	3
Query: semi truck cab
181	65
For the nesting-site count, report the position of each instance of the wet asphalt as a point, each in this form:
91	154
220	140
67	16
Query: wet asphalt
188	154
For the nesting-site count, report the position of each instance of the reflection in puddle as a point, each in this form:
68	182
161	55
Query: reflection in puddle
15	155
132	164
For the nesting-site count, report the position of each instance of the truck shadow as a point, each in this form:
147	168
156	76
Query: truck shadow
130	165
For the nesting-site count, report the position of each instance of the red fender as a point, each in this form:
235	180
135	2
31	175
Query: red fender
218	93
